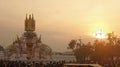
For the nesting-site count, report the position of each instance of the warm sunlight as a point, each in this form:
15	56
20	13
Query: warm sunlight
100	34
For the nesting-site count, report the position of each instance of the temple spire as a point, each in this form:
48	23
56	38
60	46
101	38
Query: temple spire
30	23
26	16
17	38
29	17
39	40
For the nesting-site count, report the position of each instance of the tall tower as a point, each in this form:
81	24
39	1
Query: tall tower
30	36
30	23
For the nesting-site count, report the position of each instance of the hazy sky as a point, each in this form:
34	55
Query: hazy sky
59	21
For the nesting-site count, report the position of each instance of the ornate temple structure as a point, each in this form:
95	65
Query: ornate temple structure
29	43
2	53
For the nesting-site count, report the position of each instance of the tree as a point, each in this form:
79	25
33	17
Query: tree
81	51
101	51
72	44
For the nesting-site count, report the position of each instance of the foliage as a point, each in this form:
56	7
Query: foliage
100	51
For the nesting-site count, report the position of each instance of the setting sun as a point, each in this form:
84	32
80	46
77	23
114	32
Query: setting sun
100	34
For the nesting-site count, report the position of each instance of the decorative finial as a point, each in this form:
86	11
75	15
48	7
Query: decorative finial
40	39
29	16
17	37
26	17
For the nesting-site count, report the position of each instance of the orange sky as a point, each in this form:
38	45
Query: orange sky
59	21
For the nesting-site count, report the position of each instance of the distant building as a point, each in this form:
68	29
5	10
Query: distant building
66	56
30	47
29	44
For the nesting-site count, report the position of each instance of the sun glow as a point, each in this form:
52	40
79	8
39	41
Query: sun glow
100	34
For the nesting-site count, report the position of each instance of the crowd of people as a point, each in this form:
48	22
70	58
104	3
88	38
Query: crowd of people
7	63
31	63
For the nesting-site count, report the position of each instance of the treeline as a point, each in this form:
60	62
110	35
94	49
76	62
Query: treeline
101	51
